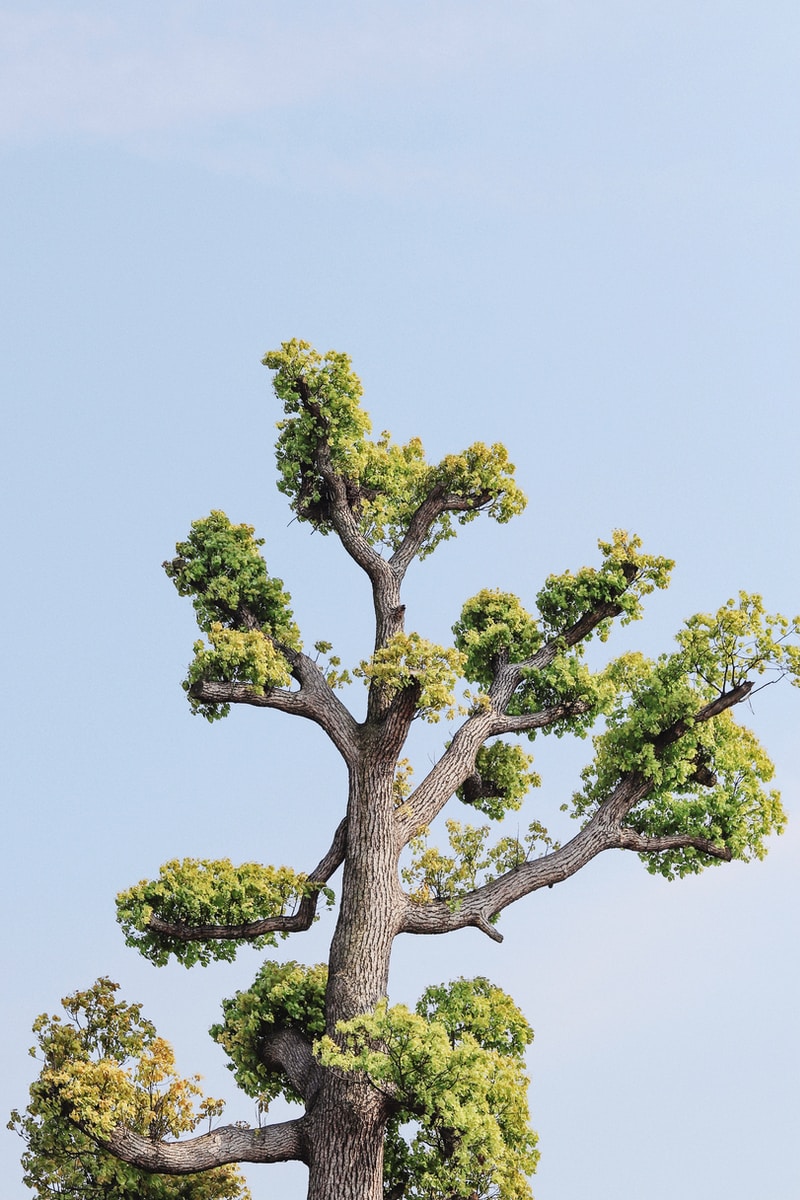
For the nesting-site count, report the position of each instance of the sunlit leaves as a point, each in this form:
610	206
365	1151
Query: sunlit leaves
501	780
454	1070
494	628
435	875
282	996
624	576
199	892
409	662
101	1067
707	777
244	613
384	483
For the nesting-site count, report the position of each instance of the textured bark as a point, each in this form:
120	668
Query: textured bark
229	1144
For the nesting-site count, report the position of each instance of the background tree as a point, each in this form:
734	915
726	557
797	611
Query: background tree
441	1089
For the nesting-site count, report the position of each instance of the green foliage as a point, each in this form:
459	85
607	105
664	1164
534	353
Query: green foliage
282	996
244	613
194	891
102	1067
505	780
710	780
623	578
385	483
408	661
454	1069
433	875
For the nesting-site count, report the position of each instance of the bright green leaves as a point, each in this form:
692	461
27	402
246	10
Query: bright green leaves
409	662
739	641
454	1068
501	780
707	777
320	395
624	576
101	1067
385	484
494	628
196	892
283	996
243	612
737	811
434	875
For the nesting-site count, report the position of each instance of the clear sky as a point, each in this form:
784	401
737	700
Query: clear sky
570	226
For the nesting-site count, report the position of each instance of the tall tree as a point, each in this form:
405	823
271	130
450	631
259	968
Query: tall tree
430	1102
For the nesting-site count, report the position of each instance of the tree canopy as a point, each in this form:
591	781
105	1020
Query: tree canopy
427	1103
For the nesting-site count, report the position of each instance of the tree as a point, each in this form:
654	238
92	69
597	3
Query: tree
427	1103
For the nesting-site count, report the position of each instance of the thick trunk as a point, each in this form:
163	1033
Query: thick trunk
346	1156
347	1119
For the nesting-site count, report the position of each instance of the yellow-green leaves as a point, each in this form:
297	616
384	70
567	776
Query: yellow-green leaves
196	892
243	612
708	777
409	662
327	430
493	628
624	576
102	1067
454	1068
434	875
282	996
501	781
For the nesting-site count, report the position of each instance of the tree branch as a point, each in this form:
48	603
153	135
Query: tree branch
629	839
228	1144
249	930
435	503
290	1052
604	831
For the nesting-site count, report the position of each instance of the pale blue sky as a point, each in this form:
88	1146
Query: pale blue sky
572	227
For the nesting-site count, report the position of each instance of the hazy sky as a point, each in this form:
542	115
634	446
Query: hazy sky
571	227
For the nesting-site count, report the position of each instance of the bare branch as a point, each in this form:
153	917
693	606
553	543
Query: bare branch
281	1142
631	840
296	922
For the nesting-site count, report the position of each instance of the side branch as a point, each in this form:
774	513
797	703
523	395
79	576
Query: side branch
296	922
435	503
229	1144
629	839
314	700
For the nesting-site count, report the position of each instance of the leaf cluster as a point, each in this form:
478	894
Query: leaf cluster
409	662
101	1067
196	892
385	483
454	1072
282	996
500	781
243	611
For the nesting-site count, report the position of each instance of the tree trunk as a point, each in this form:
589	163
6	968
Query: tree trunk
348	1117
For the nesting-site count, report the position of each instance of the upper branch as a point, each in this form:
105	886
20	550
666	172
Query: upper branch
296	922
603	831
281	1142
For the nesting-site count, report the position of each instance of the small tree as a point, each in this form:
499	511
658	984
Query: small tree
431	1102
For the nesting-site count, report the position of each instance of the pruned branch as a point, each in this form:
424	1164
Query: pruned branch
288	1051
247	931
281	1142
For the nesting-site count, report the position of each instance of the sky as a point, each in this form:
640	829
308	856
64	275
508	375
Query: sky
571	227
